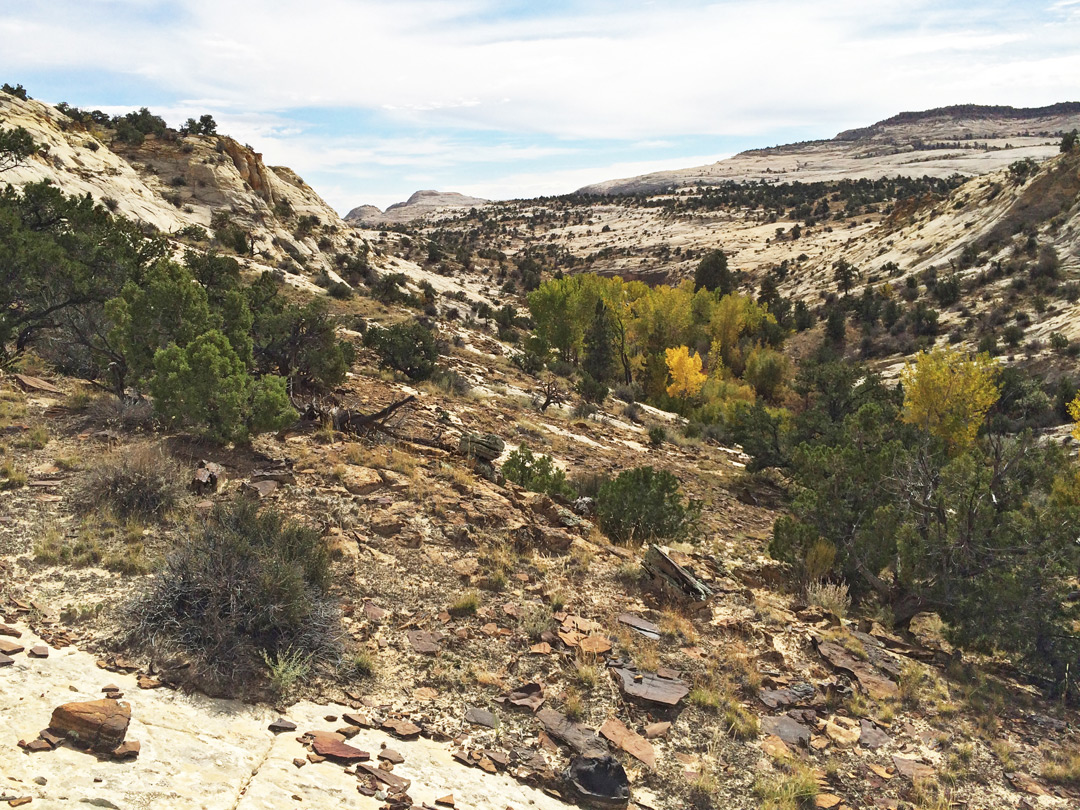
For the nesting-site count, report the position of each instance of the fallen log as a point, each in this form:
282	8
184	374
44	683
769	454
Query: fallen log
344	419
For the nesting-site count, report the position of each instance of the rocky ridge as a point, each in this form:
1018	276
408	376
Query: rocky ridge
172	185
969	140
428	204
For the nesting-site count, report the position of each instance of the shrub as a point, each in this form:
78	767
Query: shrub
140	481
766	370
340	291
233	237
451	382
298	343
831	597
591	390
657	435
587	484
536	473
206	385
528	361
286	668
406	347
644	504
242	589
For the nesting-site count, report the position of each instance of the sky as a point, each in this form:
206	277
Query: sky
369	101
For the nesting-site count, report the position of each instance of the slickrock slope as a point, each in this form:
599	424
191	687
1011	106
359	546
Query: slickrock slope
174	184
212	754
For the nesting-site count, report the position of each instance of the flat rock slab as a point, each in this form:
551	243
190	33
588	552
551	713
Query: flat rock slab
790	731
911	769
401	728
870	679
527	696
794	695
97	724
362	480
629	741
28	383
650	686
582	739
481	717
337	750
643	626
198	752
872	736
425	642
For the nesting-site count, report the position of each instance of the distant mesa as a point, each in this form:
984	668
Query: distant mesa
422	204
965	139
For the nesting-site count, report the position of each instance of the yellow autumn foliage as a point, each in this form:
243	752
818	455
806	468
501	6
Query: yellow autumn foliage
947	393
684	368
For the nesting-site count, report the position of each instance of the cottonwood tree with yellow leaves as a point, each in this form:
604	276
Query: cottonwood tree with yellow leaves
948	394
684	367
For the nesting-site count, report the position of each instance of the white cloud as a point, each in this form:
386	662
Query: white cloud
642	74
635	71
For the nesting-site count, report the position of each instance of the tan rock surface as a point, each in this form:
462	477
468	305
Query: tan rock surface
199	752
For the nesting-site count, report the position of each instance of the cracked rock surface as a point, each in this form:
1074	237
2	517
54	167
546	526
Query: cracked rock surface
209	754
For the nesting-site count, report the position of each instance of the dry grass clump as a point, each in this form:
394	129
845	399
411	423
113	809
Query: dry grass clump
794	788
12	407
927	794
11	477
716	695
1063	767
536	620
832	597
35	438
573	706
98	543
362	664
139	481
920	687
128	415
465	605
241	589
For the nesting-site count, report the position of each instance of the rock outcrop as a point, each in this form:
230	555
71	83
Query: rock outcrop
427	204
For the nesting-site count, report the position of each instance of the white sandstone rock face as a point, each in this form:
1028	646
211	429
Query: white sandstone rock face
208	754
174	184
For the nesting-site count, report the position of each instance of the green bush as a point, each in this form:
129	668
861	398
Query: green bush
536	473
591	390
408	347
241	589
643	505
298	343
206	385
